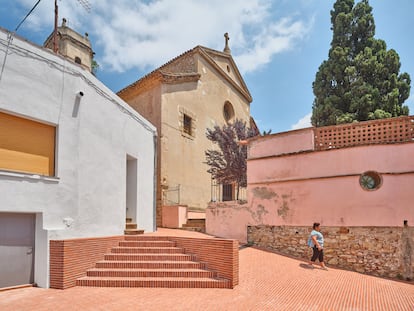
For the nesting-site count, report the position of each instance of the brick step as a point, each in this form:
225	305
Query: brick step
150	264
133	232
150	257
146	243
195	229
153	282
146	238
130	225
150	261
165	273
147	250
196	222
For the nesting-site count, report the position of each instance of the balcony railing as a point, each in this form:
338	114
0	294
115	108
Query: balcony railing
171	195
227	192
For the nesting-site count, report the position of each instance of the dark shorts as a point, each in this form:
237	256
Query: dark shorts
317	254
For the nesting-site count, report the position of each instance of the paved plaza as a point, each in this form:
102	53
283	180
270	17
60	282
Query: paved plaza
268	281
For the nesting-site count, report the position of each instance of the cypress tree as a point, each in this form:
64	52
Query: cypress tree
360	80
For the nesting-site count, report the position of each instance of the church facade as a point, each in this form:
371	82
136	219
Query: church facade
197	90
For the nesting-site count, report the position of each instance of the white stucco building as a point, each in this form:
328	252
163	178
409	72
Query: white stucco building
75	160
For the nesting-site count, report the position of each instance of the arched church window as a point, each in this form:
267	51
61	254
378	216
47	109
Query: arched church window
228	112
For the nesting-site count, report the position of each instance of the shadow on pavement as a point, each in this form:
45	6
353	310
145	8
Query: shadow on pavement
306	266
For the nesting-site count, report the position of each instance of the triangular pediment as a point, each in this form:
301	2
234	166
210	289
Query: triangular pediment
183	68
224	64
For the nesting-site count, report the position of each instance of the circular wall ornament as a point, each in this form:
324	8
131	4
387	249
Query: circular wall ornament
370	180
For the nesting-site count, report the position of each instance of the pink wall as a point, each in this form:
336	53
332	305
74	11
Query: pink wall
290	184
324	186
229	219
174	216
387	159
281	143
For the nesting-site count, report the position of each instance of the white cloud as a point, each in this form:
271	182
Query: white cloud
145	34
303	123
272	39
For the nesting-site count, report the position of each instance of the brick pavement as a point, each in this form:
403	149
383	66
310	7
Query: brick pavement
268	281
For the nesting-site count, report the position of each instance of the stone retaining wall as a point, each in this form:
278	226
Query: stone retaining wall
380	251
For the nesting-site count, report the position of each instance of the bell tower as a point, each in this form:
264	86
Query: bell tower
72	45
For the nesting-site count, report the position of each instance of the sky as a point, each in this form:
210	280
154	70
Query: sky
278	45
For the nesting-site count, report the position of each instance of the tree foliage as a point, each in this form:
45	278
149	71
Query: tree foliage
94	67
360	80
228	162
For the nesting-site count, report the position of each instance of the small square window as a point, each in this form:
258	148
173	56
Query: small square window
187	124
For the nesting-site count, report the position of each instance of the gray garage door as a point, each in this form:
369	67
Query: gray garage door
17	233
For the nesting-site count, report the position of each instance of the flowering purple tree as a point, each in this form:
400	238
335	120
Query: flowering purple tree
228	162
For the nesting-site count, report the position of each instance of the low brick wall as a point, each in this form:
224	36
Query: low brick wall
380	251
174	216
69	259
220	255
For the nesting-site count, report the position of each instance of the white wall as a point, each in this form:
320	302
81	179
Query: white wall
94	137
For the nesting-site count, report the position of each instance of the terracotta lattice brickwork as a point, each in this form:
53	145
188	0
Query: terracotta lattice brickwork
385	131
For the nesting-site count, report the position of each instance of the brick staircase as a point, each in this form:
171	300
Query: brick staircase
151	261
198	225
131	228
